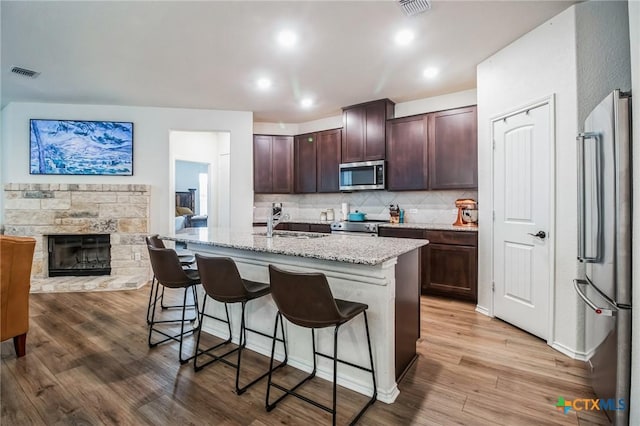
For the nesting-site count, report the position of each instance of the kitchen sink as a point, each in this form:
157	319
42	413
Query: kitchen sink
294	235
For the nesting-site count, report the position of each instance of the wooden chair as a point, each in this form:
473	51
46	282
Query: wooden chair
16	258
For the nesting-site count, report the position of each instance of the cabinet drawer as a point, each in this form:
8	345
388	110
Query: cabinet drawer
400	232
304	227
315	227
462	238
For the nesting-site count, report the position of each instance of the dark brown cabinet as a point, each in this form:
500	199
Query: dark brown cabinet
317	161
304	227
304	163
329	144
452	267
448	264
272	164
453	149
407	153
364	137
433	151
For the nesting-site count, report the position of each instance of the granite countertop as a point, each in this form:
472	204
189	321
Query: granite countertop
341	248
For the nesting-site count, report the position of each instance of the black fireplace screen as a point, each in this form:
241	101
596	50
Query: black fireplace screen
79	255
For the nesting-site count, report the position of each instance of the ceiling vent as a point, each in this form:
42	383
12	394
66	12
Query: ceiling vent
25	72
413	7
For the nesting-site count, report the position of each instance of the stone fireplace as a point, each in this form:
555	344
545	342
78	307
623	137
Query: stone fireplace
121	211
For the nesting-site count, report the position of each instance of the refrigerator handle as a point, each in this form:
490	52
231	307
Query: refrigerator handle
607	312
582	223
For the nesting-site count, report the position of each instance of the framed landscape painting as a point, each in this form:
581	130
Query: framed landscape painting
71	147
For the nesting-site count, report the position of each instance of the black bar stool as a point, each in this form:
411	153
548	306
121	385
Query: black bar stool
169	273
222	282
305	300
185	260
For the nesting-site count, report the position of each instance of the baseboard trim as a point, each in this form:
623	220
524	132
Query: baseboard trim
570	352
482	310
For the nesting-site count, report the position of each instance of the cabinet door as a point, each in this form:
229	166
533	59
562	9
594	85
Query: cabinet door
451	271
282	164
305	163
353	143
262	173
407	153
453	149
328	146
374	134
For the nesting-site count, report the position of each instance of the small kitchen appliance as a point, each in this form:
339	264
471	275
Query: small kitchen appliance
467	212
362	175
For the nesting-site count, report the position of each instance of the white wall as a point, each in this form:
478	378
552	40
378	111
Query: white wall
634	36
151	150
436	103
402	109
603	63
537	65
580	56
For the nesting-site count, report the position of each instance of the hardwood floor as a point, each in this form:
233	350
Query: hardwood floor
88	362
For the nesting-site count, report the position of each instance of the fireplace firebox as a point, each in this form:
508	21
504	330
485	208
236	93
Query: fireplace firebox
79	255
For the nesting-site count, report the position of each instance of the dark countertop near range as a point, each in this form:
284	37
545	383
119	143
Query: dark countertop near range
429	226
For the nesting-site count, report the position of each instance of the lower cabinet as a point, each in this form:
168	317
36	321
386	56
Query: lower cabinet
304	227
449	263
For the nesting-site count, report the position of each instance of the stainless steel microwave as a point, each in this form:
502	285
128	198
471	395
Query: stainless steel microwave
362	175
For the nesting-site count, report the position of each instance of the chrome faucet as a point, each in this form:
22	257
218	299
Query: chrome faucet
274	218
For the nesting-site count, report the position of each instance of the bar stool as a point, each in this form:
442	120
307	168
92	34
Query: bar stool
169	273
186	261
305	300
222	282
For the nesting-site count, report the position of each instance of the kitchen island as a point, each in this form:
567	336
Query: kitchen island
381	272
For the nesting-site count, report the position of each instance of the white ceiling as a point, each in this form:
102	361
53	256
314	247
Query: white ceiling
208	54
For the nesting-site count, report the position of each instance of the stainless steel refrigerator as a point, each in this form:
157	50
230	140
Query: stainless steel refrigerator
604	246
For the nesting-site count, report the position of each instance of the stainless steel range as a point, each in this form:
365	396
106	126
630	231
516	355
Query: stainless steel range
356	228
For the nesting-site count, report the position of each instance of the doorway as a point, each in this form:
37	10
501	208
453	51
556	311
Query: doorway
523	234
200	160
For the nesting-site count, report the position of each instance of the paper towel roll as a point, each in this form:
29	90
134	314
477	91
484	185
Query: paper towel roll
345	211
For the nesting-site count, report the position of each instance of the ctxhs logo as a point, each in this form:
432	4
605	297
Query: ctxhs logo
590	404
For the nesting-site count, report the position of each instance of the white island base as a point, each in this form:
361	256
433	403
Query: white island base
374	285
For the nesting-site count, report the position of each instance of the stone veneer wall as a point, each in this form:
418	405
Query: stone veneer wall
38	210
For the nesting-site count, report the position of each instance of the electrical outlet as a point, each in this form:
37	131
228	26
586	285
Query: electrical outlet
413	211
136	256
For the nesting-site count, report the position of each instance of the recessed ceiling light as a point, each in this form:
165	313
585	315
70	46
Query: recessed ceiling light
404	37
306	102
263	83
287	38
430	72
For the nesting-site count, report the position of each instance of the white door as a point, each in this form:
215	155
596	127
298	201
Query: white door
522	199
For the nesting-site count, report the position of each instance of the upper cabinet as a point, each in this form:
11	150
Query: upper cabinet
364	130
433	151
272	164
453	149
407	153
317	161
329	144
304	163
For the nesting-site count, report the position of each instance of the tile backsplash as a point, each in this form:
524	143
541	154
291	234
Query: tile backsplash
419	206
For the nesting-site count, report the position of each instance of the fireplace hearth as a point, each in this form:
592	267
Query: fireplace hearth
79	255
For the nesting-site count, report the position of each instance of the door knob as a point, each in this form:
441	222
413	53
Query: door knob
541	234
